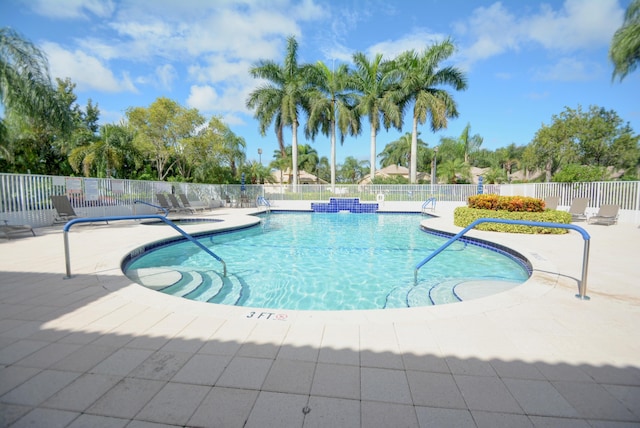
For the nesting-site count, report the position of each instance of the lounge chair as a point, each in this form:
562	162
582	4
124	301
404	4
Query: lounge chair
64	210
187	204
578	208
551	202
10	230
607	214
164	203
176	204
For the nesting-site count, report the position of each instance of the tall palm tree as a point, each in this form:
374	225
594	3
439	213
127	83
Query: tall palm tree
25	85
332	104
282	98
421	78
373	79
624	51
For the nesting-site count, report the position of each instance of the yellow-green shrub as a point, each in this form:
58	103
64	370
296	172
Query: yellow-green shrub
464	216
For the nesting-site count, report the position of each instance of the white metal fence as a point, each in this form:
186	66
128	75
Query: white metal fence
25	198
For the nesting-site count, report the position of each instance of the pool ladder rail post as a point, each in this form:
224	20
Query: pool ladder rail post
70	223
582	290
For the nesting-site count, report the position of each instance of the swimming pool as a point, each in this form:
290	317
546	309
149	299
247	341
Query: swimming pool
311	261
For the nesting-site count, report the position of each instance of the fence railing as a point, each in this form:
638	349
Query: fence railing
26	198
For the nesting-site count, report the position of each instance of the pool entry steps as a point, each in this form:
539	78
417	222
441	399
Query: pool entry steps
352	205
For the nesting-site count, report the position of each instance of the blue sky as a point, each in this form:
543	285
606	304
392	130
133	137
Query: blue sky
524	60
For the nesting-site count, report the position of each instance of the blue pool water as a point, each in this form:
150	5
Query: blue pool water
312	261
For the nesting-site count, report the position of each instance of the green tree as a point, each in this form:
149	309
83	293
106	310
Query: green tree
465	144
284	96
324	169
257	173
161	131
553	145
40	145
25	85
332	105
509	158
573	173
352	170
111	154
421	81
373	79
624	51
453	171
399	153
596	137
233	151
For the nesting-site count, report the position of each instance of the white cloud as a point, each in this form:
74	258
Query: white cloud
569	70
577	25
166	75
86	71
580	24
71	9
417	40
203	98
227	100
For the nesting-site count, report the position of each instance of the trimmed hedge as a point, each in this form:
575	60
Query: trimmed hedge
464	216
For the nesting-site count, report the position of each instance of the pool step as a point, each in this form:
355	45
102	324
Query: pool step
433	294
155	278
189	282
232	292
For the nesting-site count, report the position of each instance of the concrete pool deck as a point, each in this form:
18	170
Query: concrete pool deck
96	350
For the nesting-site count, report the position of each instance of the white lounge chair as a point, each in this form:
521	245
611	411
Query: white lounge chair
578	208
607	214
551	202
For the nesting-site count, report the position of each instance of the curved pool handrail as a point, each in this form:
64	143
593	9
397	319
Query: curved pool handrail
260	200
70	223
585	235
426	203
138	201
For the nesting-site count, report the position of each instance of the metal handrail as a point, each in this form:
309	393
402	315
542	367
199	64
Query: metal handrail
426	203
585	257
68	225
166	210
260	200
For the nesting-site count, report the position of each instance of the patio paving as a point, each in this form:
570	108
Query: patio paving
96	350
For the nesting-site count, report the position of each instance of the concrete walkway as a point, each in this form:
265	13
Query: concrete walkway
96	350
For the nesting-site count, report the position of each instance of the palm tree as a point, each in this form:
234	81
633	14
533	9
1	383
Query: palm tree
25	85
625	45
374	81
399	152
420	79
105	155
308	158
451	169
332	98
352	170
465	143
233	150
280	100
